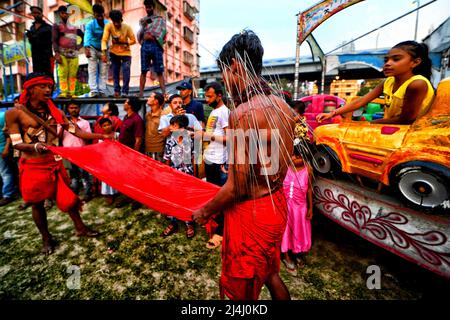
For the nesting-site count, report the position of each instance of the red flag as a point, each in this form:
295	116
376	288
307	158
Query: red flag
141	178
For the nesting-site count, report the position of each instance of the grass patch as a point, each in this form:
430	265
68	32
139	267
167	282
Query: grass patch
131	261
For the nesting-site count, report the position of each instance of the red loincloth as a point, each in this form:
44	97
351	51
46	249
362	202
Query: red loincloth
252	236
44	178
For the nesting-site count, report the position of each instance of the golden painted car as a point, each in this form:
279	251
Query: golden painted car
413	159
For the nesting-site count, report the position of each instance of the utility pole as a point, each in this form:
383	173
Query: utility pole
417	18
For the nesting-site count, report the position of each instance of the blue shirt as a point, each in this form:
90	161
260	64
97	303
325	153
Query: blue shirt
93	34
2	134
195	108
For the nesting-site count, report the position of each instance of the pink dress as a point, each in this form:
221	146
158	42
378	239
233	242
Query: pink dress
297	236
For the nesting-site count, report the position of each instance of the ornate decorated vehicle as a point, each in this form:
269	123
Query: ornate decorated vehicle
321	103
413	159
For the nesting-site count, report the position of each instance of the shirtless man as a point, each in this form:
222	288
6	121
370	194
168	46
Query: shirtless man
255	208
33	125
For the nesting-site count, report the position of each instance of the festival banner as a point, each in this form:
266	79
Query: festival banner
84	5
316	15
15	52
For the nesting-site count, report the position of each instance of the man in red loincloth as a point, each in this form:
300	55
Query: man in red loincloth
261	130
33	125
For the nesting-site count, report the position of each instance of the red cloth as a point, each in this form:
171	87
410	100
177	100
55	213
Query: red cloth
141	178
44	178
252	236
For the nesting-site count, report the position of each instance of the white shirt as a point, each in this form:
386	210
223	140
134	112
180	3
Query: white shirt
216	152
164	122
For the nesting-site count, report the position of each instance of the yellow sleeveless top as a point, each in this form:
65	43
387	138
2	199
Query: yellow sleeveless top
394	101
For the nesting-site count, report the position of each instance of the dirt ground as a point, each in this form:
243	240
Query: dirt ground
131	261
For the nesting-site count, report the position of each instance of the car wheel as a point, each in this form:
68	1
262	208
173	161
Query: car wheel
422	188
325	161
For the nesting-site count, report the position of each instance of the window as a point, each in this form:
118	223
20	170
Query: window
7	32
188	35
188	58
188	11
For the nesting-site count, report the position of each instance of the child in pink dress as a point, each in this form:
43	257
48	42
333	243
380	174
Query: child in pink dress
298	193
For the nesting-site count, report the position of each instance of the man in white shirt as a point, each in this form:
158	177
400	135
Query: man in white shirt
77	175
215	154
176	104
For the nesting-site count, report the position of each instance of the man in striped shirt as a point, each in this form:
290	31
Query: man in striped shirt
151	36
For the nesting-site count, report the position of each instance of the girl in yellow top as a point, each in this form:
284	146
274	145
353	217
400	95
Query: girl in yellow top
407	90
120	54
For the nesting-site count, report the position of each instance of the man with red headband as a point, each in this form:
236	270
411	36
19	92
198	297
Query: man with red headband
33	125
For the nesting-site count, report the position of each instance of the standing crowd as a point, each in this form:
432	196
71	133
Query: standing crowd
259	217
105	41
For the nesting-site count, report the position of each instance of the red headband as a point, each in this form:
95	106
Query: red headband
54	111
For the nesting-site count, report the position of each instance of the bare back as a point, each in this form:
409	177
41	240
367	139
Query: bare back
260	164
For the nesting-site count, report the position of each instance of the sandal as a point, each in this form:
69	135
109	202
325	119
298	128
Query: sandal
190	231
290	267
170	229
214	242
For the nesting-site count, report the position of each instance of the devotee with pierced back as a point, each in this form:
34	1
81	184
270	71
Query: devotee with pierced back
252	198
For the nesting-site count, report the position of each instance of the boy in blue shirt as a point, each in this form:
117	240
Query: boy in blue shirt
97	67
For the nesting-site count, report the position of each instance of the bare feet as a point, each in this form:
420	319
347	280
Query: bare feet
89	233
49	247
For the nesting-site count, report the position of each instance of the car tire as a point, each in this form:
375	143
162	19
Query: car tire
325	161
422	188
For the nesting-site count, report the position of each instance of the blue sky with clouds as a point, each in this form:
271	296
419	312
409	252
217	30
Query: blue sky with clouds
275	23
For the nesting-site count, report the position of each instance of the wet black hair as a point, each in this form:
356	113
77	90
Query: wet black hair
246	46
103	120
135	103
302	150
159	97
98	8
417	50
181	120
217	87
116	15
113	108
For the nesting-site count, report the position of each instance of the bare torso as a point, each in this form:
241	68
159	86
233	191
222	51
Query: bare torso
263	171
20	122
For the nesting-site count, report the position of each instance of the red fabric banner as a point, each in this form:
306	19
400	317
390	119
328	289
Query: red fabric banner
141	178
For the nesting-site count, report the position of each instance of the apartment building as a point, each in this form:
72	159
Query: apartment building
180	52
344	89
